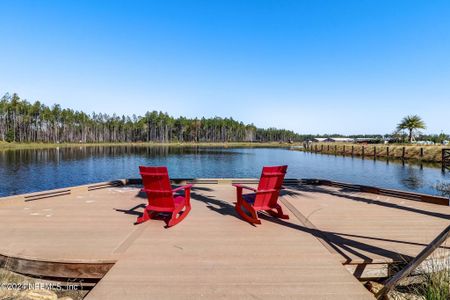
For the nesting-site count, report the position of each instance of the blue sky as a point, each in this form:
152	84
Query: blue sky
309	66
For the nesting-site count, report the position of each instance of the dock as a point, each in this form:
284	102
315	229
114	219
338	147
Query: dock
335	237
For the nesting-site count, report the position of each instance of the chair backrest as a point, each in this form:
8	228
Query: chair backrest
271	179
157	185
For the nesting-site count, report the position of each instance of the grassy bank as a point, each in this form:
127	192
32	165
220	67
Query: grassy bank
12	146
395	151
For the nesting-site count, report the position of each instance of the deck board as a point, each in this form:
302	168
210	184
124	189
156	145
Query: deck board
369	227
213	253
82	227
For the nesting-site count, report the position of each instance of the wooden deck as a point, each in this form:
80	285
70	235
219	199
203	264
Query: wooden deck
213	253
367	232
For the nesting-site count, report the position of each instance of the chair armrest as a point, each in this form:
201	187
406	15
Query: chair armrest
187	186
244	187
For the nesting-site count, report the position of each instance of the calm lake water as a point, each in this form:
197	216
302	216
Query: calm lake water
23	171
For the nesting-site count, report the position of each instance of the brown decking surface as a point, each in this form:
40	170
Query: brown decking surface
82	227
213	253
369	228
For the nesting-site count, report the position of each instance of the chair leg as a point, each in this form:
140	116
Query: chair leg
147	215
279	213
175	219
254	215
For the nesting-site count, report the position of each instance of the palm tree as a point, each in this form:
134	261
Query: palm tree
411	123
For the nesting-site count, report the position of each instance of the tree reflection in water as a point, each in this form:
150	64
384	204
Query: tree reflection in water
411	176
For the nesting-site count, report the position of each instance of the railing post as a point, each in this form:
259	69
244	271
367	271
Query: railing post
362	151
436	243
387	151
445	159
403	152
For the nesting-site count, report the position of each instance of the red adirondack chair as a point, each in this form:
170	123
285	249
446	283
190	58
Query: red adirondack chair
161	196
265	197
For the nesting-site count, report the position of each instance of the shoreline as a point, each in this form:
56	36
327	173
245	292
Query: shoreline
412	153
31	146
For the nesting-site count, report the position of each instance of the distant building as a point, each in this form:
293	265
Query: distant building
339	140
319	140
333	140
368	140
390	140
424	143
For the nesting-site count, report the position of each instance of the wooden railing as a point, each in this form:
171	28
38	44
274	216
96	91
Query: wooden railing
375	151
445	159
380	191
288	181
391	282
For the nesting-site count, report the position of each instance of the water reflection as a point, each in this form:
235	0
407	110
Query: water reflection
55	155
411	177
30	170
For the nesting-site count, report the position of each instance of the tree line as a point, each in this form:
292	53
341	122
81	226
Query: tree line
22	121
